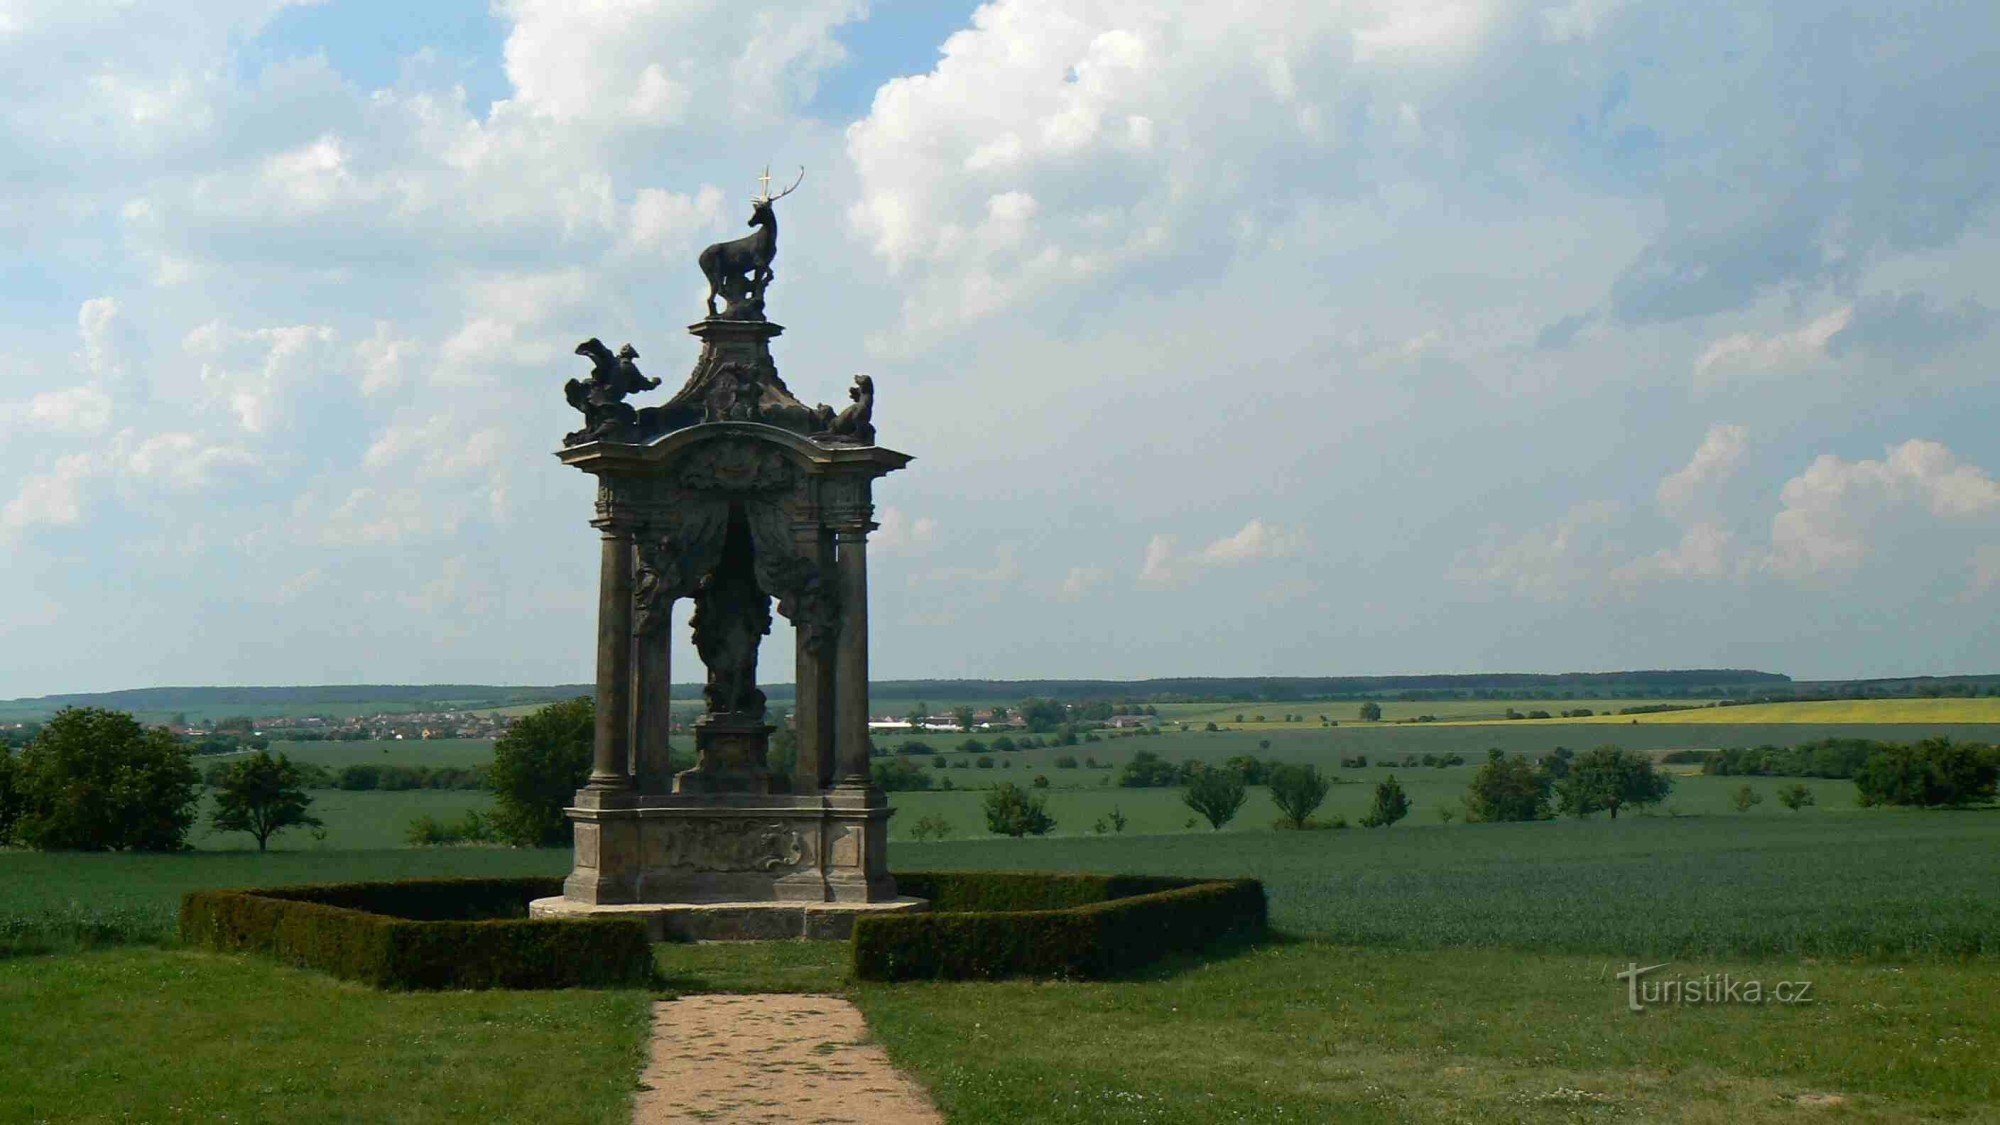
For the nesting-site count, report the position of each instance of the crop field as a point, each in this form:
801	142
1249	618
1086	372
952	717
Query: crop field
1327	746
60	899
1860	883
1313	714
383	752
1078	810
1926	712
1869	884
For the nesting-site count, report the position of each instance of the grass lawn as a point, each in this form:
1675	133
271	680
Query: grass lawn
1314	1032
169	1035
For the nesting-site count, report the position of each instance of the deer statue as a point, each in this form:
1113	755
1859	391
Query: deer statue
739	270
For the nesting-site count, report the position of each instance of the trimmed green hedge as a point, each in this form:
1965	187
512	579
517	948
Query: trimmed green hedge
987	925
423	933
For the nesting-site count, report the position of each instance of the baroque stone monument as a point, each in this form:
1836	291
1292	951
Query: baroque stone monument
733	494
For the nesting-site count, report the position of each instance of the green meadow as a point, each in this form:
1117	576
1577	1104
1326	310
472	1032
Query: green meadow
1432	971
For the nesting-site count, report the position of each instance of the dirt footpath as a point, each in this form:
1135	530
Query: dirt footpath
785	1058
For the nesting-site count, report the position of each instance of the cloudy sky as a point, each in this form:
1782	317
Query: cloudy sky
1273	338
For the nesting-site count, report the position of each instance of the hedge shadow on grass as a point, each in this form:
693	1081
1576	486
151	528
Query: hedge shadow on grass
1062	925
423	934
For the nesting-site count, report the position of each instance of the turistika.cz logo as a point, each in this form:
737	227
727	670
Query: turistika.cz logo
1709	988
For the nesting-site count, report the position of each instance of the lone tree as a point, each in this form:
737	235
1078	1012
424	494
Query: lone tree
263	796
538	766
1216	794
1391	804
1507	789
1795	796
1010	811
95	780
1609	778
1371	712
963	716
1745	799
1298	789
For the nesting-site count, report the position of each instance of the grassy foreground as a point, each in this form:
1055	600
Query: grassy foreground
1310	1032
167	1035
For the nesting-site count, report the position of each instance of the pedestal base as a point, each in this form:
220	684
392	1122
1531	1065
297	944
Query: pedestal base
703	848
733	921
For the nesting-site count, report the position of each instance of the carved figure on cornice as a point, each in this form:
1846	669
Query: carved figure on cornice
854	424
601	397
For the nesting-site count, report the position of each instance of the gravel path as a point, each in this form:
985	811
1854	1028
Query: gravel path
784	1058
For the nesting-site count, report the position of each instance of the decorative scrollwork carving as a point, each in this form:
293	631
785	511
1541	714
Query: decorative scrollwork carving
737	467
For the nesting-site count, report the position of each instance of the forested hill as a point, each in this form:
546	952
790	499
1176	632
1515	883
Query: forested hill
414	697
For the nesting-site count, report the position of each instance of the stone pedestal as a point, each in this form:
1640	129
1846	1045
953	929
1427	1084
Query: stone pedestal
729	753
730	847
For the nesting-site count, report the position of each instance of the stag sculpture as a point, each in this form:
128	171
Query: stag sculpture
739	270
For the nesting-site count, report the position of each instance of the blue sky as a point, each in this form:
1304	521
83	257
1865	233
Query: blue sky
1295	338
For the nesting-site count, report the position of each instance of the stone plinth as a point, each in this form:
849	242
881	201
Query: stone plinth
733	921
729	751
704	848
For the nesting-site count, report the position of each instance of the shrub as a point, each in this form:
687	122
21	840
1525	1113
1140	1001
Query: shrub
914	747
1065	761
1041	781
1010	811
1507	789
1253	771
899	775
1936	772
991	925
1113	821
1796	796
538	765
940	764
263	796
474	827
1216	794
984	762
1004	745
1745	798
1298	791
1391	804
435	933
972	746
930	827
1147	770
95	780
1358	761
1370	712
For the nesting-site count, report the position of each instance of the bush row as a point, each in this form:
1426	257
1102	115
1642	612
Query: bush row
989	925
422	933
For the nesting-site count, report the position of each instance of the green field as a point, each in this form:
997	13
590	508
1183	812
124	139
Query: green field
1870	883
1432	973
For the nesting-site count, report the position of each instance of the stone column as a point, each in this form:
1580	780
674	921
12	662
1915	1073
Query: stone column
851	658
812	708
652	770
611	753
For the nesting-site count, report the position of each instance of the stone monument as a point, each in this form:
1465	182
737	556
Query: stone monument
733	493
